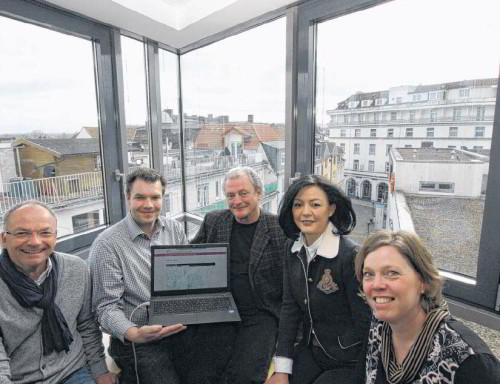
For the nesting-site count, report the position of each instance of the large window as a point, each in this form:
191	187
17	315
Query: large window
234	113
49	142
134	88
453	89
170	129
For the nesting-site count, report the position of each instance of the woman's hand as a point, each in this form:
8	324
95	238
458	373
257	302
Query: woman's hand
278	378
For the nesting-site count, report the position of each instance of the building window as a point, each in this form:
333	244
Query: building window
366	103
371	166
373	133
434	114
452	146
236	148
457	114
167	202
463	92
479	132
346	119
430	132
477	147
372	149
85	221
399	100
408	146
453	132
409	132
412	116
480	113
357	133
417	97
432	95
356	165
380	101
202	195
427	144
217	188
388	149
353	104
282	158
96	162
393	116
342	133
428	186
390	132
356	148
387	167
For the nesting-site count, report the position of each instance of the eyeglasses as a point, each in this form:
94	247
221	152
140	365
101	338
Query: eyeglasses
23	235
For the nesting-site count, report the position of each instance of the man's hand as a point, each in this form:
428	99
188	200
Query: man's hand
107	378
148	333
278	378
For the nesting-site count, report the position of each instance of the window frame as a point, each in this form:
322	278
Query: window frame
484	292
108	83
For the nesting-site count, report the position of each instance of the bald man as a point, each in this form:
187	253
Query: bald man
48	333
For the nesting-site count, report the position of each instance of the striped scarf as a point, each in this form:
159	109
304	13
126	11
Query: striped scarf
412	363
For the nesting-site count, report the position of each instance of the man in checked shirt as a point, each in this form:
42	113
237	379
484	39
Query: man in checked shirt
120	260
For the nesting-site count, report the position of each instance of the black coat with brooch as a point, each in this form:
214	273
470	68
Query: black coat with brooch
333	310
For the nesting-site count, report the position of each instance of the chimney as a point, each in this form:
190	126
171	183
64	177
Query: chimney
250	118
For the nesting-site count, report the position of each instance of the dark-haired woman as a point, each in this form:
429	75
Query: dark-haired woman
320	287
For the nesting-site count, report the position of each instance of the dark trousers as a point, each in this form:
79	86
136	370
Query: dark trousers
312	366
154	361
227	352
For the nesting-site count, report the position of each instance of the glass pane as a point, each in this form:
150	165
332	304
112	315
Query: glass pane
413	106
234	103
134	89
170	125
49	141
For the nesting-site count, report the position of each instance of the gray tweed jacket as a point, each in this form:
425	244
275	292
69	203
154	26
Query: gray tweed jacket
266	254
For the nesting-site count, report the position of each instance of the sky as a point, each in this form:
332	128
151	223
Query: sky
47	78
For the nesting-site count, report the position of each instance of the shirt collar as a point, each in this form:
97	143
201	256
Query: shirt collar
134	229
327	245
45	273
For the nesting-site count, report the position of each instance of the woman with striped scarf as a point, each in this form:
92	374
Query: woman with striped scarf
413	338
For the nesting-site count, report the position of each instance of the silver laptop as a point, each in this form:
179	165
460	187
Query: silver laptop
190	285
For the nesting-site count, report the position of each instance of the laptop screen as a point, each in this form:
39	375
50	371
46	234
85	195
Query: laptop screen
194	268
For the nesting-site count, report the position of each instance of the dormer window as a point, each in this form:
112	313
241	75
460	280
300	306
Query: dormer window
353	104
366	103
463	92
380	101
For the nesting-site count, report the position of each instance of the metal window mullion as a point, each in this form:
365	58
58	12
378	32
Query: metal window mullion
154	105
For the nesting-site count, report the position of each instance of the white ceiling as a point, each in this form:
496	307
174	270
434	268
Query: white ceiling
176	23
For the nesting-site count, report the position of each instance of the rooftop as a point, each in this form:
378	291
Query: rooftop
451	228
437	154
63	146
412	89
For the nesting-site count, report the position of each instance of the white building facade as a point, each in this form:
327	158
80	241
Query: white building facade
448	115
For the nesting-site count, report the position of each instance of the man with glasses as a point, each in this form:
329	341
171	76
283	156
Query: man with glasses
241	352
120	265
48	333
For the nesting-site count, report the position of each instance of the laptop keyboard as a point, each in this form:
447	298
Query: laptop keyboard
206	304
